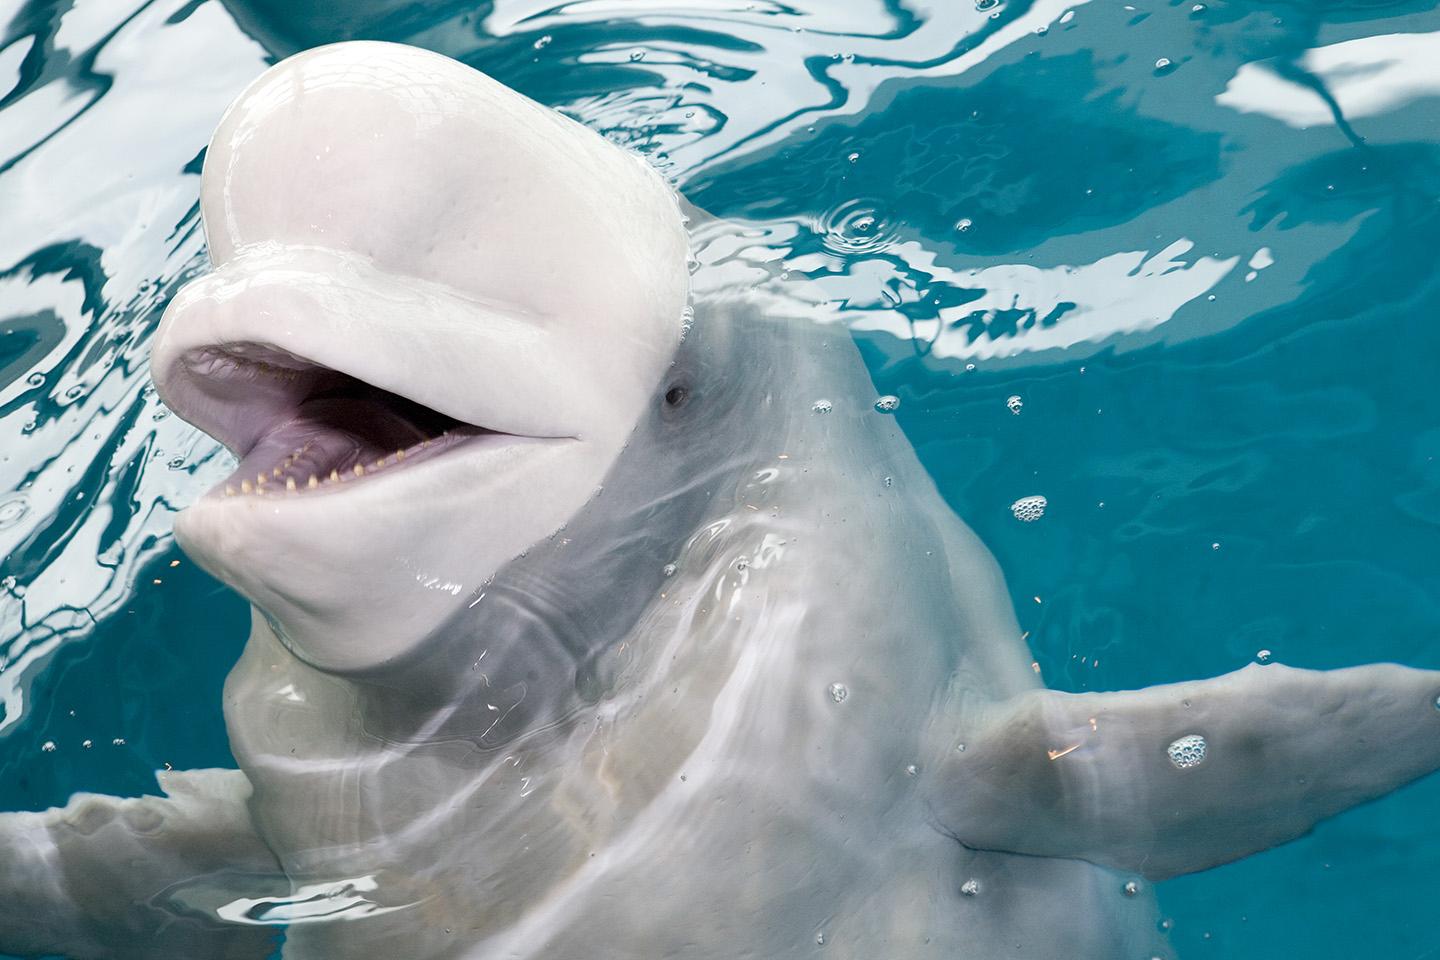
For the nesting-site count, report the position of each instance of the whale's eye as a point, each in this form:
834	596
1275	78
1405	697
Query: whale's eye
676	395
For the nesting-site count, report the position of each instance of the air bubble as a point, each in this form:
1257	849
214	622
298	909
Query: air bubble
1015	404
970	888
543	42
887	404
48	746
637	55
820	938
912	770
853	157
1263	656
964	224
1130	889
1029	509
856	226
1188	751
668	569
821	406
1164	66
36	379
838	692
11	511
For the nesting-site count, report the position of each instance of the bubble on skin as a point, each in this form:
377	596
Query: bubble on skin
887	404
1029	509
1130	889
821	406
48	746
543	42
970	888
1187	752
964	224
838	692
1263	656
1015	404
912	770
853	157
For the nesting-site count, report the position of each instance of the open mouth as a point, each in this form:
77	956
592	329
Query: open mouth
302	428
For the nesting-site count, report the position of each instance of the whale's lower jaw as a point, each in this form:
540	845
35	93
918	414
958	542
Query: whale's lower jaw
316	430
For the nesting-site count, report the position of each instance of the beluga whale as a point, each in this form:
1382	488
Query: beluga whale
599	614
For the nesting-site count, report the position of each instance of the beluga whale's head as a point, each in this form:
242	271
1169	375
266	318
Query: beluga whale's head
438	313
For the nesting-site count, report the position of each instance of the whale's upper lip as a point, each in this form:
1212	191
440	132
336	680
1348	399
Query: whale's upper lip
316	370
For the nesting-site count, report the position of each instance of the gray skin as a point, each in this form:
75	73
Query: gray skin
720	713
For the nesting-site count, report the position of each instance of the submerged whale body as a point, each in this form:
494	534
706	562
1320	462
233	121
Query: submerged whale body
582	629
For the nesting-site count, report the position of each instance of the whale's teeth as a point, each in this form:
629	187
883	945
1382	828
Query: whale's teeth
290	484
399	454
312	483
260	479
334	475
359	470
229	490
246	487
378	464
276	472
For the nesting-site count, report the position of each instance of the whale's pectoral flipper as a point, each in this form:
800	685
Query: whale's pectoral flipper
108	877
1173	779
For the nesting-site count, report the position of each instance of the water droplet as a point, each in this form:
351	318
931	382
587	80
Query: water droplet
1215	545
742	564
87	744
887	404
1015	404
176	463
856	226
853	157
964	224
1164	66
1188	751
1263	656
821	406
668	569
12	510
1130	889
970	888
959	748
75	392
911	770
543	42
1029	509
889	481
48	746
983	5
636	56
820	938
118	742
838	692
36	379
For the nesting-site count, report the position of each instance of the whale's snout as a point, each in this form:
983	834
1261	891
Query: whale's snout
437	312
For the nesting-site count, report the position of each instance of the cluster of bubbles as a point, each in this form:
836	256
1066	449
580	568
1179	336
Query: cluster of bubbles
1029	509
1188	751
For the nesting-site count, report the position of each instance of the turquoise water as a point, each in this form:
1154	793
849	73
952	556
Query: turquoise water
1203	258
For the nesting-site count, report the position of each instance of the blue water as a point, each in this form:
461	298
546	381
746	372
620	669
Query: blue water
1218	311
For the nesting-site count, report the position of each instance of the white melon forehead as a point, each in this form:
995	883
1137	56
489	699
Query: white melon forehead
433	170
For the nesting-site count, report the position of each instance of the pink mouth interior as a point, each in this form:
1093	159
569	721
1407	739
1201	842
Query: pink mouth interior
313	428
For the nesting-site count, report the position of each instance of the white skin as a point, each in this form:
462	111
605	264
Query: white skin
476	717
